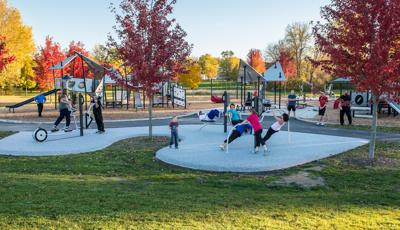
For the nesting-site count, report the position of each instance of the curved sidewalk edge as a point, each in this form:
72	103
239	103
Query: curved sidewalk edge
106	121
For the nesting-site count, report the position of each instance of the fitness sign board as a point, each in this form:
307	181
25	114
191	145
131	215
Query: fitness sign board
78	85
360	99
179	96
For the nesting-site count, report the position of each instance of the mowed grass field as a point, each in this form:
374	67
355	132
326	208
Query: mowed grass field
125	187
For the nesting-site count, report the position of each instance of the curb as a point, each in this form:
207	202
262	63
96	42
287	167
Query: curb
105	121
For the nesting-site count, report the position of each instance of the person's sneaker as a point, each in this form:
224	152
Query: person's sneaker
265	148
67	129
322	124
256	150
222	147
55	129
170	146
318	123
176	147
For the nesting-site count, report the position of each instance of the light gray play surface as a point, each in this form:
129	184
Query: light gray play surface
198	149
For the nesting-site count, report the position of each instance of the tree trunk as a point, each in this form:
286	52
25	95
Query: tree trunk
150	108
371	152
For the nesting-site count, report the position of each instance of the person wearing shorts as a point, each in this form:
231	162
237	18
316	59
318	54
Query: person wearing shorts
323	101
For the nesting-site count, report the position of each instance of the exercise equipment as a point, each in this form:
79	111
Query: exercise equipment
41	134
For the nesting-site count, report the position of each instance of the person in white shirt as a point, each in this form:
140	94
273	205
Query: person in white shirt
277	125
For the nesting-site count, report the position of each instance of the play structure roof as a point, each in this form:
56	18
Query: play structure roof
342	80
95	67
251	74
275	73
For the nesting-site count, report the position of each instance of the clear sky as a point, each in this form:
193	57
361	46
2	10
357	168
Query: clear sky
212	25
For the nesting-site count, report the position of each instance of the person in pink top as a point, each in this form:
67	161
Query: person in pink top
257	127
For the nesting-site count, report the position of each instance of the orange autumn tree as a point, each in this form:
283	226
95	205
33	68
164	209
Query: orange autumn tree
256	60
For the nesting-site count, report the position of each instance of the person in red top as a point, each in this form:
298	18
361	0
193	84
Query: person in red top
323	101
257	127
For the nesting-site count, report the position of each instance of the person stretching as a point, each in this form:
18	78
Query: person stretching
65	108
236	133
280	121
257	127
210	116
234	114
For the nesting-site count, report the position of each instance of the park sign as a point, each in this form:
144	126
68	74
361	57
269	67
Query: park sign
179	96
275	73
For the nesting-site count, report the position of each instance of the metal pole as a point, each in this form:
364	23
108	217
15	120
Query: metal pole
275	92
80	102
225	98
280	92
84	81
241	92
244	84
211	87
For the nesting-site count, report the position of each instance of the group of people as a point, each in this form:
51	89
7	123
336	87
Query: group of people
250	124
343	104
66	108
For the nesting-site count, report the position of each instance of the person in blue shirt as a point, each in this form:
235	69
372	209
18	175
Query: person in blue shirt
292	103
234	114
236	133
40	100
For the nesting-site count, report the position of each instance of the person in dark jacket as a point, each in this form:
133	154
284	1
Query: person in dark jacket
344	106
98	114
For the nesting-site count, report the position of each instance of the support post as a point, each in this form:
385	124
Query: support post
225	98
275	92
280	94
244	85
211	87
80	102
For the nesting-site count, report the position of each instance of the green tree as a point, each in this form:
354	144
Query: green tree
229	65
297	39
107	55
209	66
20	44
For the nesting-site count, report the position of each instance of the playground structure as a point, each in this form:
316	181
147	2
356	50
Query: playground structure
97	80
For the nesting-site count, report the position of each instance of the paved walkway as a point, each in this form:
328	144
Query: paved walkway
198	149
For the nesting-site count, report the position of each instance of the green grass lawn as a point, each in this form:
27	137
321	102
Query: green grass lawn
382	129
124	187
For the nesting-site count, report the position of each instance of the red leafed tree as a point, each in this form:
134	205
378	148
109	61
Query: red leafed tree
362	40
75	67
256	60
287	63
152	44
48	56
5	59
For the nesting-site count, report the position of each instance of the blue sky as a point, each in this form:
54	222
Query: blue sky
212	25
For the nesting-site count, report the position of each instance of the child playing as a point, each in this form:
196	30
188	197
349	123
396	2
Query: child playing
210	116
257	127
237	132
276	127
234	114
173	125
323	101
